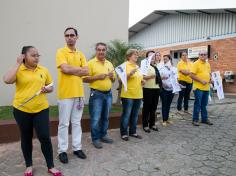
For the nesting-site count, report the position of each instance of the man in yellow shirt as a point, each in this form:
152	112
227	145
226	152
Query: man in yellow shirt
71	66
200	73
184	66
100	79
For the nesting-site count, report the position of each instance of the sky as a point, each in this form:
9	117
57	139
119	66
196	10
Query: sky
138	9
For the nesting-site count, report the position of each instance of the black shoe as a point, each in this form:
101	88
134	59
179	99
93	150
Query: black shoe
107	140
154	128
195	123
136	136
125	138
207	122
97	144
146	129
80	154
63	157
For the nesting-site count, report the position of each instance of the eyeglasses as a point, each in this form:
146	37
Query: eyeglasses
69	35
35	55
202	54
101	50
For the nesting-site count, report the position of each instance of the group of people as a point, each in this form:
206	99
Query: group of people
33	82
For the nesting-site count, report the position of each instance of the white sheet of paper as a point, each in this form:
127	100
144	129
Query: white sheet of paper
121	72
174	81
218	86
145	64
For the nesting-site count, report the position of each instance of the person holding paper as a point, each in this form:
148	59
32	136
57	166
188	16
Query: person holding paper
167	72
30	77
131	99
100	79
200	73
151	92
184	66
71	67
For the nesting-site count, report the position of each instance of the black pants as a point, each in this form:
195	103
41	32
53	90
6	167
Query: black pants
150	102
166	99
40	122
184	94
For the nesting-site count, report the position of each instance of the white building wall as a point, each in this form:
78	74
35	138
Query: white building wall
42	23
178	28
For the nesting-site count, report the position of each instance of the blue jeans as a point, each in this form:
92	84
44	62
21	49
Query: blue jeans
166	99
99	108
200	104
129	115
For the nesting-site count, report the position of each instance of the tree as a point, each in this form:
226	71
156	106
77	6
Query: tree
116	51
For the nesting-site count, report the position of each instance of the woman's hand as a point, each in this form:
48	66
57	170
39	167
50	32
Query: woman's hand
46	89
143	82
132	72
20	59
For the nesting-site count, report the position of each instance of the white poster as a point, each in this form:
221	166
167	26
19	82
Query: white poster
121	72
174	80
218	86
145	64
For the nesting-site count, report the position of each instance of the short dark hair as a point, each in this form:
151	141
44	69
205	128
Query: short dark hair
69	28
170	58
100	43
183	53
151	51
25	49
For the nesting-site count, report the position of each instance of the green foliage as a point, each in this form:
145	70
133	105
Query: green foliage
6	111
117	49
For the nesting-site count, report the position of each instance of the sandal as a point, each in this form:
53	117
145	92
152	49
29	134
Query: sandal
57	173
28	174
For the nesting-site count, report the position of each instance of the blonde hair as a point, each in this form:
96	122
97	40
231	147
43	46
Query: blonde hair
130	52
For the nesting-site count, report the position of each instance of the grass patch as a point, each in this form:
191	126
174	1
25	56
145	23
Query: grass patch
7	114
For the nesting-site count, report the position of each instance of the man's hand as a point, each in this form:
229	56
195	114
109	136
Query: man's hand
111	75
203	82
101	76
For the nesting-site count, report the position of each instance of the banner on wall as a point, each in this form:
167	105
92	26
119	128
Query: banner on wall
194	51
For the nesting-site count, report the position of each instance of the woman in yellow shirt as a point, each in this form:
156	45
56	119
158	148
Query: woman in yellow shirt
185	80
131	99
151	93
29	111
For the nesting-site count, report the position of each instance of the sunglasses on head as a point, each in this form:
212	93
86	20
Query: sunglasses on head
69	35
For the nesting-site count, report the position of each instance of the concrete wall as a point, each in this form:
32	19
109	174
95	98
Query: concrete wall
42	23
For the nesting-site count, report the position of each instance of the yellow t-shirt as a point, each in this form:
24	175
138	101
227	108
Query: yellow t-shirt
28	82
96	68
184	66
202	70
134	87
69	86
151	83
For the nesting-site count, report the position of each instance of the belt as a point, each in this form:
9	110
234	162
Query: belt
104	92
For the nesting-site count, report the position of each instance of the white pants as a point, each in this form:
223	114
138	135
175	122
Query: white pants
68	111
